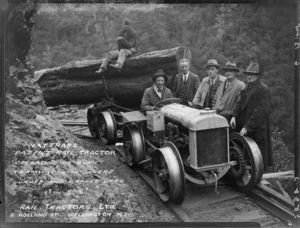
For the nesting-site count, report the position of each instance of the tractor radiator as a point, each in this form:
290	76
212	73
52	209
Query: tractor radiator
212	147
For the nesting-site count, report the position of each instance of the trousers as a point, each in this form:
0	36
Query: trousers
120	55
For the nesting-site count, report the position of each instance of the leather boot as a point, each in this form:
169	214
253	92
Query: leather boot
116	66
100	71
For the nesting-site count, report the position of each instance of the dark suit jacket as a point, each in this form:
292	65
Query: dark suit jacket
255	105
150	97
130	39
193	83
252	112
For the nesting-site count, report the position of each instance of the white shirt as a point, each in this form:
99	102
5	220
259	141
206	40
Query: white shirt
212	82
157	92
185	76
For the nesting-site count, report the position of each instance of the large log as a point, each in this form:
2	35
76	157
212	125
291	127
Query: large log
77	83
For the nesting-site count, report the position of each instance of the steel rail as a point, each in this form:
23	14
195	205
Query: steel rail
264	199
277	210
74	123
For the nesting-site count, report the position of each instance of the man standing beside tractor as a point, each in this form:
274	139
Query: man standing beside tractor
206	92
229	92
186	83
246	107
251	113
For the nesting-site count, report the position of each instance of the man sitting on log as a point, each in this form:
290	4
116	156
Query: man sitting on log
186	83
126	47
157	92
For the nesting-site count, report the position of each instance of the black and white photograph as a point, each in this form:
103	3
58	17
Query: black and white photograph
150	113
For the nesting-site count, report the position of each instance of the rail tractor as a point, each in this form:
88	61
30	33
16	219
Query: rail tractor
176	143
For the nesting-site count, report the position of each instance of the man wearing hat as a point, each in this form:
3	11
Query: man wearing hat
157	92
251	113
126	47
206	92
228	93
186	83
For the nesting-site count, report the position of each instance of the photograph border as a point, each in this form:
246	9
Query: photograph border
3	117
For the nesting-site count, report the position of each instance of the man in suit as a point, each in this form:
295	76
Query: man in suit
206	92
157	92
126	47
251	113
228	94
186	83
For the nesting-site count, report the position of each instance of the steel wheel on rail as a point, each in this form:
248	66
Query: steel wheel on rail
247	164
107	128
168	174
92	123
133	144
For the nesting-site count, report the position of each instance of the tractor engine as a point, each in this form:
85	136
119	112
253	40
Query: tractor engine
202	134
178	143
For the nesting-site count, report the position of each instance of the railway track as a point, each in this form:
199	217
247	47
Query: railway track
263	207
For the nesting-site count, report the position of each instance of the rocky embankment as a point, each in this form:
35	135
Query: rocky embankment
53	176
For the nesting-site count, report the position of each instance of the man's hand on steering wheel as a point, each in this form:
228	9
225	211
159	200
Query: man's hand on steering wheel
153	108
161	103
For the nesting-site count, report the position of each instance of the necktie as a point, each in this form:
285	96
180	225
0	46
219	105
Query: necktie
226	86
184	77
159	92
249	87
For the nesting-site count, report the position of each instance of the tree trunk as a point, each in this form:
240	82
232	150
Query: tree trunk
77	83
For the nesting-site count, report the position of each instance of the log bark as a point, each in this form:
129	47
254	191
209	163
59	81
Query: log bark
77	82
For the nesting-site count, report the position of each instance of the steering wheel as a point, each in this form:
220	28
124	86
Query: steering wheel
176	100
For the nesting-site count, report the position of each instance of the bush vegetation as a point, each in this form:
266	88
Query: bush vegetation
239	32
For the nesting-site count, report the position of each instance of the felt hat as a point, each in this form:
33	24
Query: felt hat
158	73
126	21
212	63
253	68
230	66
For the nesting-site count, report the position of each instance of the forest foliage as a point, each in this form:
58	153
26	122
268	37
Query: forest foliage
239	32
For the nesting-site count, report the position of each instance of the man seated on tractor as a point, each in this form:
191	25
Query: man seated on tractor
229	92
126	47
157	92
